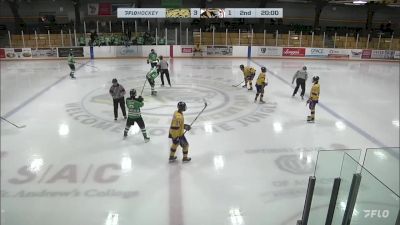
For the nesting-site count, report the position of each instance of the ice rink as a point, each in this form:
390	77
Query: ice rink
250	162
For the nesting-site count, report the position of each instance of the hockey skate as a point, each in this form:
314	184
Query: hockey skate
146	139
172	158
262	101
154	93
186	159
244	86
309	119
250	89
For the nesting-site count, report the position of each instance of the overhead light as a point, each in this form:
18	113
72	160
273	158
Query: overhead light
36	164
359	2
219	162
277	127
340	125
63	129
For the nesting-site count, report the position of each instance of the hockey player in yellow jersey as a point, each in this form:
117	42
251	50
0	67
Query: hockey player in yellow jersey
260	84
313	100
177	134
248	75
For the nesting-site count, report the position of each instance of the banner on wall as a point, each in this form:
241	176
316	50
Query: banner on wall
128	51
382	54
186	50
269	51
396	55
366	54
93	9
64	52
221	50
18	53
294	52
44	53
389	54
104	9
356	53
2	53
316	52
338	53
378	54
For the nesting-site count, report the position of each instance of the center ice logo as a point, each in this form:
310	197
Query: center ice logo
228	109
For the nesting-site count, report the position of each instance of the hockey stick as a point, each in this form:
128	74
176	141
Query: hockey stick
205	106
238	84
143	87
22	126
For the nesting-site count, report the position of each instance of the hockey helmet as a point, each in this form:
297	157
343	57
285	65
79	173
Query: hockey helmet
182	106
114	81
263	69
132	92
304	67
241	66
315	79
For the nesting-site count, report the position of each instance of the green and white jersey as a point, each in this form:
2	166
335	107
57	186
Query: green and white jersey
134	108
153	73
153	57
71	59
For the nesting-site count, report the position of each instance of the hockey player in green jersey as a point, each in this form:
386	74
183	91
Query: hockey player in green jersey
134	115
152	58
71	64
151	76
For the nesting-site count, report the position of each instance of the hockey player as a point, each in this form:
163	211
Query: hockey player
152	58
151	76
260	84
301	77
71	64
176	133
134	104
313	100
248	74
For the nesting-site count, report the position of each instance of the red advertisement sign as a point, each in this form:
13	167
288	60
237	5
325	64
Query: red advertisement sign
104	9
297	52
366	54
187	50
2	53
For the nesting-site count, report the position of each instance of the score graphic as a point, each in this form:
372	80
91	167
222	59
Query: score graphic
212	13
200	13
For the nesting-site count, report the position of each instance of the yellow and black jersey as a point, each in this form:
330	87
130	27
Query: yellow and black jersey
248	71
314	94
177	125
261	80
